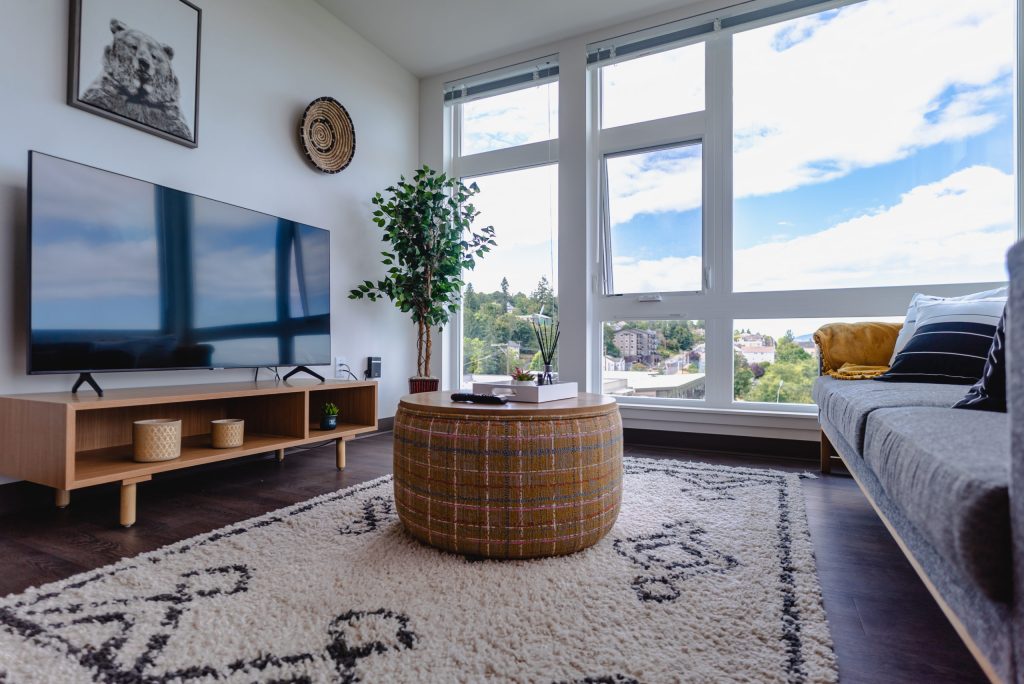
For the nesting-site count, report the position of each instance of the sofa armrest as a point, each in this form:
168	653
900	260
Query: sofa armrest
861	344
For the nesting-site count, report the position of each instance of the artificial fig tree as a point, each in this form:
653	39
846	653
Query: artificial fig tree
428	222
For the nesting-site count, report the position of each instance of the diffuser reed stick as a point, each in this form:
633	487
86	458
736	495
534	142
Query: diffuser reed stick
547	339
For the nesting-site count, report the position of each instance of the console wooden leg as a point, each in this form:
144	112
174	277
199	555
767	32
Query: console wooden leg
280	455
128	504
826	453
62	497
340	446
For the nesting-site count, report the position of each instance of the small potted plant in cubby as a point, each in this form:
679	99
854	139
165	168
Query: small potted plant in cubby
329	417
521	376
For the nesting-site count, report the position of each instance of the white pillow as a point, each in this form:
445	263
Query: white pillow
910	323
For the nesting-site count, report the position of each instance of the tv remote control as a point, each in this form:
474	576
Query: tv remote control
478	398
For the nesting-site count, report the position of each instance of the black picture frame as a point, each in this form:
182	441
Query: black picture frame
76	78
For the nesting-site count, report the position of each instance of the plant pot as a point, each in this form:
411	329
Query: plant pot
420	385
328	422
524	382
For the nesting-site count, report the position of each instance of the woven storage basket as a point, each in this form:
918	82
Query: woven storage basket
508	486
157	439
227	433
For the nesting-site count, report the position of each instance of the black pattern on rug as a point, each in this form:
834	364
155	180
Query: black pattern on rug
669	557
708	485
375	511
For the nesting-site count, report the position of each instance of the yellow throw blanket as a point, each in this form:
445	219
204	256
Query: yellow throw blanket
856	351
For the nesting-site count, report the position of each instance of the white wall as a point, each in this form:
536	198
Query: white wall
262	62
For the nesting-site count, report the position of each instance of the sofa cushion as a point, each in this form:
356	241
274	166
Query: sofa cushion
949	472
846	404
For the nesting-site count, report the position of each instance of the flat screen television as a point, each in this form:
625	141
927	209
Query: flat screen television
127	275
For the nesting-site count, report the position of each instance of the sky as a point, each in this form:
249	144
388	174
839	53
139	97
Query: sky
882	128
872	146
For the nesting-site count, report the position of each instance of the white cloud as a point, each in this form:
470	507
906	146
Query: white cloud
516	118
816	99
671	274
646	182
664	84
953	230
866	88
522	206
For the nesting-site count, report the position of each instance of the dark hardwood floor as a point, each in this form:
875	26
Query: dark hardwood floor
885	625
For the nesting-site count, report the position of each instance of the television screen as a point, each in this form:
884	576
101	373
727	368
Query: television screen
128	275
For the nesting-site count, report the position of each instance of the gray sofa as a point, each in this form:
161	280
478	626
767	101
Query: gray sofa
947	483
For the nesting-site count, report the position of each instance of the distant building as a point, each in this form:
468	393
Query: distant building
538	318
644	384
638	346
697	356
679	363
809	347
762	354
611	363
747	340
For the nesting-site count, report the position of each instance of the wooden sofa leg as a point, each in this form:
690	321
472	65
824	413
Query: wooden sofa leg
826	453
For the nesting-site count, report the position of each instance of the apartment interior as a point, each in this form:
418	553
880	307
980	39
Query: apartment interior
588	341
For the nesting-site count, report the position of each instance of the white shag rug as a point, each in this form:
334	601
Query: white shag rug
708	576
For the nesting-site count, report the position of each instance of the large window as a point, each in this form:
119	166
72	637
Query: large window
873	145
758	175
514	286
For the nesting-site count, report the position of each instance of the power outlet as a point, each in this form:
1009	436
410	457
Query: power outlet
339	365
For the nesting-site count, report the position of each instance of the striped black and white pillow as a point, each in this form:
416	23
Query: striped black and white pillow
950	343
910	322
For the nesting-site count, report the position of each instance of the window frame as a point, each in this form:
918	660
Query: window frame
718	305
457	165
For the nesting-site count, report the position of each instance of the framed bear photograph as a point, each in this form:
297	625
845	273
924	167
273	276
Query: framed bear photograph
137	62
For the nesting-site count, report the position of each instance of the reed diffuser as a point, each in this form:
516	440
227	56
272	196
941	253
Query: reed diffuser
547	339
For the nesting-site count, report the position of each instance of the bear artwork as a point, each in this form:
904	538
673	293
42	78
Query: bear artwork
138	82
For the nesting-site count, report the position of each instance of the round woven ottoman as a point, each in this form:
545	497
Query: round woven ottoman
508	481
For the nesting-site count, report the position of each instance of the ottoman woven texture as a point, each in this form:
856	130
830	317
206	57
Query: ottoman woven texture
517	482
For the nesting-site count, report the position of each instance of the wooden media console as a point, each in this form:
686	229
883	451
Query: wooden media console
68	441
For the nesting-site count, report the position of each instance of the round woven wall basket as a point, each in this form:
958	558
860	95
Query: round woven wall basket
327	135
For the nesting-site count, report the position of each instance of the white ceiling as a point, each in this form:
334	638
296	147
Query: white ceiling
430	37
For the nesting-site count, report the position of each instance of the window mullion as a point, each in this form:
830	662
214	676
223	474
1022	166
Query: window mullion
718	217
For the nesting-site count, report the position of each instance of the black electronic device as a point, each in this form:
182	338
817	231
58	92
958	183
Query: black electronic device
127	275
469	398
372	366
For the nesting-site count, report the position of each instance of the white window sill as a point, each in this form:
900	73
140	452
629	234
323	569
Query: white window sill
722	421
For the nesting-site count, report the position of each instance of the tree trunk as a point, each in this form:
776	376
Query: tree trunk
426	354
419	348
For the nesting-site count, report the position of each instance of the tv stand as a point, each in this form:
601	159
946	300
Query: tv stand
89	380
303	369
71	442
